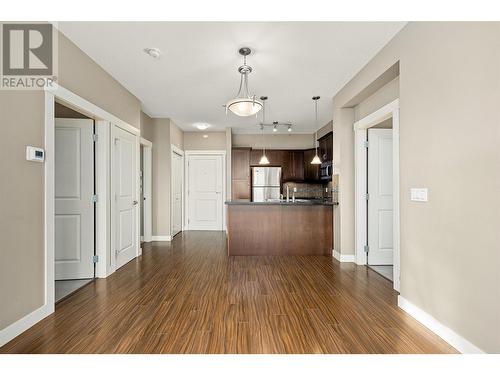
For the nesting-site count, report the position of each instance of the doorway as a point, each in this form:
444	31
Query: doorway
74	201
377	192
177	196
145	199
205	190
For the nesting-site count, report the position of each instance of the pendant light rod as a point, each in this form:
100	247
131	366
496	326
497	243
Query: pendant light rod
263	160
316	159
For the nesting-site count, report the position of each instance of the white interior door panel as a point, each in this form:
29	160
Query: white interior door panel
74	207
380	202
125	181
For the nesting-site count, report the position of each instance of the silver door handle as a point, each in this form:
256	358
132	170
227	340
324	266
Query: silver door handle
134	202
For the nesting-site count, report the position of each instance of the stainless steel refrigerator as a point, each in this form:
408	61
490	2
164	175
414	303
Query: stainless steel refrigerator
266	183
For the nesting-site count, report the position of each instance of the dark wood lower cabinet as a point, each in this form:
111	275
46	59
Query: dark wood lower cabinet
241	189
279	229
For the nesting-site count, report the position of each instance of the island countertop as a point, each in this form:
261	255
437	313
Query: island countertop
298	202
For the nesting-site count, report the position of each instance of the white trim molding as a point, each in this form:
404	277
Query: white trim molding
447	334
390	110
343	258
147	189
21	325
161	238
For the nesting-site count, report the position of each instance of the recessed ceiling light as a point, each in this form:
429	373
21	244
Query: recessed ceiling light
153	52
201	126
205	135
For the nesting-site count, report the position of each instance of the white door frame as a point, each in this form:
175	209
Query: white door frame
147	180
186	179
176	150
361	127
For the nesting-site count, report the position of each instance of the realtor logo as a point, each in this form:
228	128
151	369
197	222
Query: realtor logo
28	55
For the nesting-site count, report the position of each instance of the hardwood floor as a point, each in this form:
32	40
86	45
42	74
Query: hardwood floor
190	297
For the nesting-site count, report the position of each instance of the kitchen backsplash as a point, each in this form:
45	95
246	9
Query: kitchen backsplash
307	190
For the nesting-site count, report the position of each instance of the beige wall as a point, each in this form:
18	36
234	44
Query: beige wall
449	88
176	136
80	74
22	214
146	127
325	129
195	141
383	96
163	132
161	176
274	141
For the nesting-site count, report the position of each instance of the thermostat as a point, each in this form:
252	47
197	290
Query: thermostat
35	154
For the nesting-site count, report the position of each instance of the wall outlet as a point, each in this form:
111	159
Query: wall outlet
418	194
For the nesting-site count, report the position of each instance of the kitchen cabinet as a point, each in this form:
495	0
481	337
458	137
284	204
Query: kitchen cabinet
293	166
326	148
311	171
275	157
240	173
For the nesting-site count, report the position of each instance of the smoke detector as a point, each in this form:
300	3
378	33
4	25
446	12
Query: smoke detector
153	52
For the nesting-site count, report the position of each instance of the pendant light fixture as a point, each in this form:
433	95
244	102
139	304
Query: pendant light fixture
244	104
316	159
263	160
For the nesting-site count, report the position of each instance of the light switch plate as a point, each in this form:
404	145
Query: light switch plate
418	194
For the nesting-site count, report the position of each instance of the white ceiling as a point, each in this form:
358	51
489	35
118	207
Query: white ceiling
197	72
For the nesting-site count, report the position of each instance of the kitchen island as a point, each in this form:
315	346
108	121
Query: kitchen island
303	227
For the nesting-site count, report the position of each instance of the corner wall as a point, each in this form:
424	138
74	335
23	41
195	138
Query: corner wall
449	143
22	239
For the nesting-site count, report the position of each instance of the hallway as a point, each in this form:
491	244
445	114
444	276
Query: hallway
188	296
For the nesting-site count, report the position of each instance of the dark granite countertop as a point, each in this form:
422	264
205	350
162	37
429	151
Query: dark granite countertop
298	202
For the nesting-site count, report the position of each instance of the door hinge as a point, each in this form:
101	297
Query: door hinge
95	137
367	248
366	144
94	198
367	196
95	258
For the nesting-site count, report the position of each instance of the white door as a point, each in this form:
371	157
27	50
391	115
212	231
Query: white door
380	210
125	195
177	173
205	187
74	207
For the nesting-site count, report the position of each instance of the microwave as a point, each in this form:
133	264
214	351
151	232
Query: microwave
326	171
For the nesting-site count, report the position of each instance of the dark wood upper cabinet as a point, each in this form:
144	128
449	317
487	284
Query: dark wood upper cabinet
275	157
293	166
240	173
311	171
325	149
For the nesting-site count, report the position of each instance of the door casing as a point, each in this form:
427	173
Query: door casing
390	110
177	151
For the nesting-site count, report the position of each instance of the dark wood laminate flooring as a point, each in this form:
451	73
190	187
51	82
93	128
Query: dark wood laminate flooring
188	296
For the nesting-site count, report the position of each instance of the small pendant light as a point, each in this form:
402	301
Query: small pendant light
263	160
316	159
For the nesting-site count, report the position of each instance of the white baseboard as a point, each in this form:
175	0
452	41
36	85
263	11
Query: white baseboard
161	238
447	334
343	258
18	327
